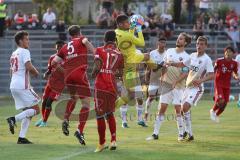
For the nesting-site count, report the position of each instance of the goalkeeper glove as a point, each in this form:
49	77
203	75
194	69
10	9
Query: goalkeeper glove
139	28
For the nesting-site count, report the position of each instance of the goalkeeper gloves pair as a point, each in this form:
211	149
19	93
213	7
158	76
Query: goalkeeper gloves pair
137	27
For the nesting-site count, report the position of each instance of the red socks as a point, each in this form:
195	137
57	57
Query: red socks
70	107
101	130
83	116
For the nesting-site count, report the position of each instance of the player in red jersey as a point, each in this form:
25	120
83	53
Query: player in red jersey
49	94
224	68
107	61
74	56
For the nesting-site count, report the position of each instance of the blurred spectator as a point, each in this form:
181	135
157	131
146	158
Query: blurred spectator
116	12
125	7
49	19
231	18
32	21
177	7
129	13
203	6
190	9
60	28
167	23
150	5
103	20
151	14
20	20
233	33
108	5
3	15
198	29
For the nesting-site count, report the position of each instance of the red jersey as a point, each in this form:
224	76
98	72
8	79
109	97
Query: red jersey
112	60
223	72
50	67
74	54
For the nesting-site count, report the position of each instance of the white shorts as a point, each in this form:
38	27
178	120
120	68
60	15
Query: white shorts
25	98
174	96
153	90
192	95
138	93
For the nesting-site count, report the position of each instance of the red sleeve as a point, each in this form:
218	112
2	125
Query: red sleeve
49	63
216	65
61	53
97	54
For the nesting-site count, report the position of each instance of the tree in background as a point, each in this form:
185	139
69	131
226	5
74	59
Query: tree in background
63	8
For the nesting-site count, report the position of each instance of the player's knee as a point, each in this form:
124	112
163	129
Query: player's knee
185	108
36	108
74	97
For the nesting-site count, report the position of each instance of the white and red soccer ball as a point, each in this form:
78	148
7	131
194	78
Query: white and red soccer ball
136	19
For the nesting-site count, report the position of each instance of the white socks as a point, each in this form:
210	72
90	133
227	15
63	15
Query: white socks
123	110
188	121
148	104
24	127
25	114
179	119
140	112
157	125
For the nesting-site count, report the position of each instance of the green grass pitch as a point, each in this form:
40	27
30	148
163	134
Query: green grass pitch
212	141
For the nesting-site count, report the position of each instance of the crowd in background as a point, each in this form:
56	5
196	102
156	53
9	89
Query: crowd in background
200	16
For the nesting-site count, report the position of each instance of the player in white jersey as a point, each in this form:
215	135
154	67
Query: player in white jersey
200	70
152	77
176	77
237	59
24	96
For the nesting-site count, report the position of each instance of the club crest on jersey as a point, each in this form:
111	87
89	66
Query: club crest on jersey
231	65
180	58
200	62
224	69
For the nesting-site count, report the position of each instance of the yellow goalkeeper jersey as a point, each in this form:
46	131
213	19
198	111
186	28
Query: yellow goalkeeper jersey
127	42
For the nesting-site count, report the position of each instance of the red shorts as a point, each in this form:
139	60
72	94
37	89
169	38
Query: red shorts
49	93
77	83
221	93
104	101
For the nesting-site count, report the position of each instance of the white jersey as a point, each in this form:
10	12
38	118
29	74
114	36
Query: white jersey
172	74
237	59
20	76
198	66
157	58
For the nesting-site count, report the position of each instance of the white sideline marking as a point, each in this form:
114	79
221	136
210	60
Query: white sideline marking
88	150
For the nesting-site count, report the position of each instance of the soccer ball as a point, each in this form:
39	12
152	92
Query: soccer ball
136	19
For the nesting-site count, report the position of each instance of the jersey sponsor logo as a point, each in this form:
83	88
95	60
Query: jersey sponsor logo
194	68
125	45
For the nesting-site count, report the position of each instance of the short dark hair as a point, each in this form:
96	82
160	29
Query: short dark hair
59	43
162	38
230	48
19	36
121	18
74	30
110	36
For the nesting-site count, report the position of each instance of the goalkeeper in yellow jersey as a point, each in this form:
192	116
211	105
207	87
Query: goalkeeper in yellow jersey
127	43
